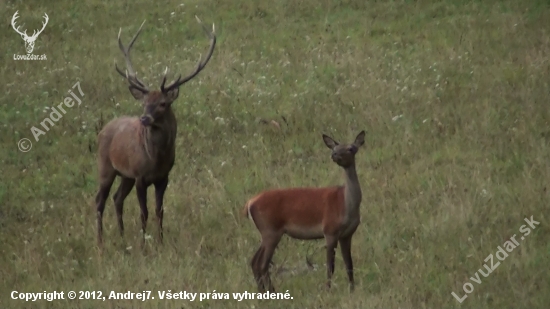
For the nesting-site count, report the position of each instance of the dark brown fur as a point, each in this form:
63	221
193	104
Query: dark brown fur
140	155
141	150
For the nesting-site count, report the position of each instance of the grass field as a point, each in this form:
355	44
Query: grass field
453	96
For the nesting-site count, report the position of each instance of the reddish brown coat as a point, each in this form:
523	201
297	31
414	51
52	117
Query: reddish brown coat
302	213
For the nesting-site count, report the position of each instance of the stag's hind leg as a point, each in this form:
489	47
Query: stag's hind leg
106	179
125	187
160	188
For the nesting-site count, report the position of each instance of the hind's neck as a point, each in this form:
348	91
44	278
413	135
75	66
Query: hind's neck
352	190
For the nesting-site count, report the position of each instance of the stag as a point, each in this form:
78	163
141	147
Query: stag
29	40
141	150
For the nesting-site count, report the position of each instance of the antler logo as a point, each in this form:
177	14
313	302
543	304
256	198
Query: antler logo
29	40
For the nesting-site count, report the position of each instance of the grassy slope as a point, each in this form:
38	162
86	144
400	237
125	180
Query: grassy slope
444	185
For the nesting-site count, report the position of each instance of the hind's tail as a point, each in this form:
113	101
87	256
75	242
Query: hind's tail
249	207
245	212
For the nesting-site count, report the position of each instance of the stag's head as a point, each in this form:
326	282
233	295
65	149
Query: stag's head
157	102
29	40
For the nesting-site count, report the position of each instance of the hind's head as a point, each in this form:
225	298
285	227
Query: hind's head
344	154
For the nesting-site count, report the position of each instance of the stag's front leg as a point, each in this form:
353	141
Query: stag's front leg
160	188
141	188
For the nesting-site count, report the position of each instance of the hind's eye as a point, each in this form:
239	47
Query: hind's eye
162	104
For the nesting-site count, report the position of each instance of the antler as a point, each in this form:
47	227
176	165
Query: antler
130	74
15	16
200	65
34	35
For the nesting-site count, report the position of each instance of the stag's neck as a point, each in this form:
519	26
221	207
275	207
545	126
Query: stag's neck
352	191
160	137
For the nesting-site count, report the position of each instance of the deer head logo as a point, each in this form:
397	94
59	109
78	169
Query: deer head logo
29	40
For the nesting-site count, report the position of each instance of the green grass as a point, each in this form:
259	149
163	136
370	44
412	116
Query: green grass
443	186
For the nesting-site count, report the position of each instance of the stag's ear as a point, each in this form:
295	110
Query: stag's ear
137	93
329	141
173	94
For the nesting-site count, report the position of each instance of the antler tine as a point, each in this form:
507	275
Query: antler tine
126	51
135	37
130	75
35	32
16	28
201	64
163	79
132	81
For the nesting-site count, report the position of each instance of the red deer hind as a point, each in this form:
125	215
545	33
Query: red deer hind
331	213
141	150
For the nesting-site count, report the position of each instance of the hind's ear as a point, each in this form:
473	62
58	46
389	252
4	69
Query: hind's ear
360	139
329	141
